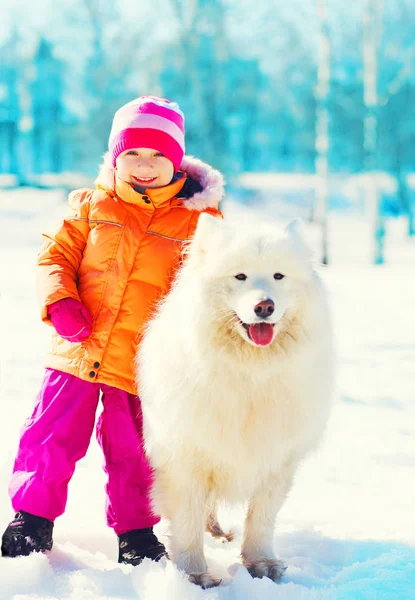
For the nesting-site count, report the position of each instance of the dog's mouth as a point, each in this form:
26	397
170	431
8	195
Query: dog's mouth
261	333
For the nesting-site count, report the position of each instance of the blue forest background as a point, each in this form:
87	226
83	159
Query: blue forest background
321	87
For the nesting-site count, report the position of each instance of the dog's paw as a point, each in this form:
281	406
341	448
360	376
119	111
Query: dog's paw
226	537
204	580
266	567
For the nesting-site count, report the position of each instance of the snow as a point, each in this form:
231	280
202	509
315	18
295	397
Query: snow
346	531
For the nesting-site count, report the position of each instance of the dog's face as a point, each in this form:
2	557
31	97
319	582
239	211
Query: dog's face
253	277
259	298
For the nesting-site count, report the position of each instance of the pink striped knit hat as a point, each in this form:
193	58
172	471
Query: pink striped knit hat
148	122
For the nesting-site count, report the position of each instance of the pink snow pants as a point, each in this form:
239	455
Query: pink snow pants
57	435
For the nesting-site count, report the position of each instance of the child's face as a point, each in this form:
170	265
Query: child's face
144	167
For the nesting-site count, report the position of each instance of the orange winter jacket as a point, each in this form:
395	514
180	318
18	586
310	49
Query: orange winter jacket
117	251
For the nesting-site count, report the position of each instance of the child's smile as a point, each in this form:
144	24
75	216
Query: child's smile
144	180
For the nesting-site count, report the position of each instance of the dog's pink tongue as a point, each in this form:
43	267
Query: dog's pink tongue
261	333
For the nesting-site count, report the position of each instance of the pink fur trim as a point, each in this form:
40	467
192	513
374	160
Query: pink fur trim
209	178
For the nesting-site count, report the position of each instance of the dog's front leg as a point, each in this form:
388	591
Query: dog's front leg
258	554
187	535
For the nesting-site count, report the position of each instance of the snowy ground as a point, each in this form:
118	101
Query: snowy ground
346	531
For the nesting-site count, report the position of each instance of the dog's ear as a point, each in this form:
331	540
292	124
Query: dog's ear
207	227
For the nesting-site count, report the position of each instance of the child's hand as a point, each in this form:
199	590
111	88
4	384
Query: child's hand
71	319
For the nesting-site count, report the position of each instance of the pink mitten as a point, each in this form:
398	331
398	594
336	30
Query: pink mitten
71	319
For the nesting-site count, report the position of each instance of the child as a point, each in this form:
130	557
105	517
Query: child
99	277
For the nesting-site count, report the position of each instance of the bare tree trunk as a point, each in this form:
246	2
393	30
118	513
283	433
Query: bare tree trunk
322	142
371	39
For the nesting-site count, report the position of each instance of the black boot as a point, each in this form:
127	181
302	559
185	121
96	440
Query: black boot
137	544
26	534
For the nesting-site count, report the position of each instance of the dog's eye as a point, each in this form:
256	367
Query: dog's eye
241	277
278	276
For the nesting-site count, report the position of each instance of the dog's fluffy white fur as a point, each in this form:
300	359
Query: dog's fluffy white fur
225	418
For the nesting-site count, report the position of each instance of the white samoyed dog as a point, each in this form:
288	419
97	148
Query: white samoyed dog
235	376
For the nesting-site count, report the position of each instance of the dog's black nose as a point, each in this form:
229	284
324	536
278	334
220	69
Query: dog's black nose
265	308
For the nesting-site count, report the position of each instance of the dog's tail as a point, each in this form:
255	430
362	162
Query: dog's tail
213	525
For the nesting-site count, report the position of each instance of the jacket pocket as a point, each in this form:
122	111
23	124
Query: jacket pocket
165	237
94	222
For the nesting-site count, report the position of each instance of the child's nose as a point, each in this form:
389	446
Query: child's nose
145	162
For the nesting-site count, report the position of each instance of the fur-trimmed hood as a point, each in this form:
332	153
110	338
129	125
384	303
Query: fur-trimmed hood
209	179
